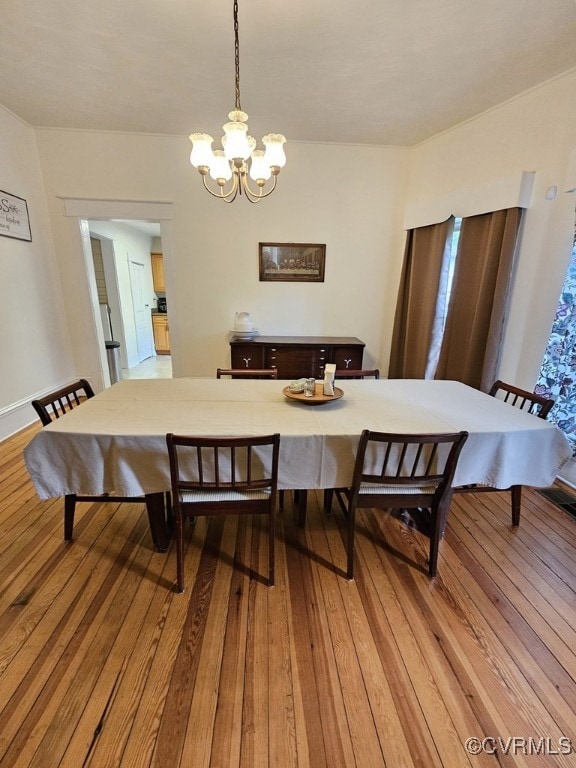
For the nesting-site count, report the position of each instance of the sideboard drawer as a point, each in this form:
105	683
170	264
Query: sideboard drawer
295	362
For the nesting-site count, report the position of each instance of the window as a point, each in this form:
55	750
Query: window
557	378
443	299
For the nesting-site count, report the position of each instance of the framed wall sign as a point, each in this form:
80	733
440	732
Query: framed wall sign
14	220
292	262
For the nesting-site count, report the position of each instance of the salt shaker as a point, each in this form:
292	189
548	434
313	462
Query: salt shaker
309	387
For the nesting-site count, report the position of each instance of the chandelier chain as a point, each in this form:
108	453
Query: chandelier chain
237	55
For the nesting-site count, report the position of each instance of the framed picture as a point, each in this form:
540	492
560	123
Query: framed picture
14	220
292	262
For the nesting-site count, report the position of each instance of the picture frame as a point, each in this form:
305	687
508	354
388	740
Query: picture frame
14	218
292	262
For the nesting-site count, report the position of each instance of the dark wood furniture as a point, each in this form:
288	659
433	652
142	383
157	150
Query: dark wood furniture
222	476
56	405
297	356
527	401
247	373
362	374
520	398
408	473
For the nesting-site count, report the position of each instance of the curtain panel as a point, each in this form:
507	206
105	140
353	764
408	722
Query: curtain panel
415	316
477	312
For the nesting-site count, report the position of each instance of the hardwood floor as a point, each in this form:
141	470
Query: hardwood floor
103	664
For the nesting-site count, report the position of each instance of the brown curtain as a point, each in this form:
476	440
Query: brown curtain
474	325
417	297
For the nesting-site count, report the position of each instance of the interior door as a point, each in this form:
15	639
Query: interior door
142	315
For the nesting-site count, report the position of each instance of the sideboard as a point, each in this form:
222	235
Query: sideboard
297	356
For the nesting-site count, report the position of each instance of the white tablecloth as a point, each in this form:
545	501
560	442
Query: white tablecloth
115	442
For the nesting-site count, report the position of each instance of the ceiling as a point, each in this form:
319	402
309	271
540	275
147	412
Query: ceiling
380	72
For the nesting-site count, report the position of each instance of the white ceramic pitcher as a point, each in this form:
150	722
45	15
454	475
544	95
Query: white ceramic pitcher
242	322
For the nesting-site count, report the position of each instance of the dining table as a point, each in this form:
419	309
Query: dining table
115	442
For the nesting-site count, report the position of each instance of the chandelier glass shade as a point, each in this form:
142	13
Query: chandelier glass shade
231	167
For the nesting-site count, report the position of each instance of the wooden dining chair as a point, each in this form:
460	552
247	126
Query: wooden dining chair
407	472
248	373
520	398
348	373
252	373
58	403
222	476
55	406
531	403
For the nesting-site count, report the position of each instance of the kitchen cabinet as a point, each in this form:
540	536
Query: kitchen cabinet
297	356
158	281
161	334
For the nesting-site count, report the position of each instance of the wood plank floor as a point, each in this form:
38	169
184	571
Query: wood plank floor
103	664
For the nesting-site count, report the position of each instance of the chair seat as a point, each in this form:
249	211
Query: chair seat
187	497
397	490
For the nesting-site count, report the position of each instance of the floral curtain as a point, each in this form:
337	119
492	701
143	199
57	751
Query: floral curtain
558	373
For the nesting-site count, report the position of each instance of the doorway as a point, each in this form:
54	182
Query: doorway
129	296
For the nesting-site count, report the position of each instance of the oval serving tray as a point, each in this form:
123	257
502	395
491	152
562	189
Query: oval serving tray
318	398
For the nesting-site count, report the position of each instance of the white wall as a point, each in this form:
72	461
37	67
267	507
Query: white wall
35	348
534	132
345	196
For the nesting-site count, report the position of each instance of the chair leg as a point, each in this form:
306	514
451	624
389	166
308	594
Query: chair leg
179	552
439	517
69	509
271	542
328	494
433	558
350	546
516	491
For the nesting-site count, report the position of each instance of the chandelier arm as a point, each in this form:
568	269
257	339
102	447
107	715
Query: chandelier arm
255	197
229	196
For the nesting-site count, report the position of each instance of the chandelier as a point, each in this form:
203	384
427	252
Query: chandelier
230	167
